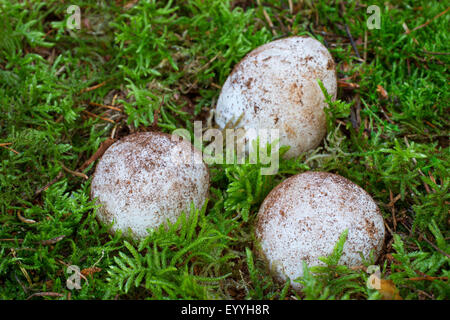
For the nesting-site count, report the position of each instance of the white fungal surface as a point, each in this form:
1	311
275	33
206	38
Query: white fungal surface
303	217
145	179
275	87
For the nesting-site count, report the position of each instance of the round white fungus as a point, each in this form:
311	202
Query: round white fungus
275	87
303	217
147	179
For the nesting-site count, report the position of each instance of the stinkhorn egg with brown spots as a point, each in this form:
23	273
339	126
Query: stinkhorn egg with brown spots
146	179
303	218
275	87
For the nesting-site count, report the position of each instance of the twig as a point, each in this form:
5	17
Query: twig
436	53
365	46
11	149
206	65
266	16
5	145
359	268
430	124
113	132
352	41
59	176
418	169
431	297
52	241
325	43
411	233
429	21
355	115
386	115
25	289
407	31
435	246
389	229
191	86
75	173
18	240
285	30
45	294
347	85
24	271
94	104
24	220
391	205
114	99
94	87
60	70
97	116
328	34
427	278
100	151
97	262
291	7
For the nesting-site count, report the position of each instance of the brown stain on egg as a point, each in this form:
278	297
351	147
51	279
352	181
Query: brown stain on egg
248	83
370	229
330	65
296	93
289	131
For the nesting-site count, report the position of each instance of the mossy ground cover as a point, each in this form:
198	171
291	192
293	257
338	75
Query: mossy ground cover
154	65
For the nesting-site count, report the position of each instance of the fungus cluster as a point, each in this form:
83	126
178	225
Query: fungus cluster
147	179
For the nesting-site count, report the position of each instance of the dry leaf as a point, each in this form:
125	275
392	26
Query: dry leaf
343	84
389	291
386	288
383	93
345	67
90	271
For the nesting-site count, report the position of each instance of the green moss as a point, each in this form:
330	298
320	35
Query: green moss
164	63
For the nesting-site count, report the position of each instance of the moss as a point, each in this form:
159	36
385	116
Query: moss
159	66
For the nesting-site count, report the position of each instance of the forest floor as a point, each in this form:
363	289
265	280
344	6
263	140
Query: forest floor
152	65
